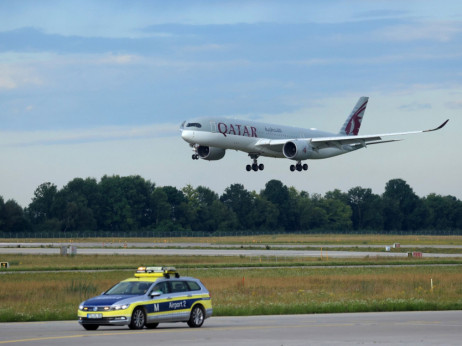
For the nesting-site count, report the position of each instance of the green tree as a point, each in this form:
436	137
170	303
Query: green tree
400	202
209	210
2	214
14	218
338	212
76	205
41	207
367	209
162	210
264	214
125	203
239	200
278	194
181	213
312	214
444	212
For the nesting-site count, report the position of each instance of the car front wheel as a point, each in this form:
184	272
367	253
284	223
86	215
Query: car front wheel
138	319
197	317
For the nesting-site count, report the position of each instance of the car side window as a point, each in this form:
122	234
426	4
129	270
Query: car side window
162	287
179	286
193	286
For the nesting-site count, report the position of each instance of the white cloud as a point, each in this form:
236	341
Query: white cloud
16	76
122	59
441	31
454	104
100	134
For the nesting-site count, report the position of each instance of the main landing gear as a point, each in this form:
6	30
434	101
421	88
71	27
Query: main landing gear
255	166
299	167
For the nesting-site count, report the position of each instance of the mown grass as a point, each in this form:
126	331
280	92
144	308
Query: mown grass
23	262
55	296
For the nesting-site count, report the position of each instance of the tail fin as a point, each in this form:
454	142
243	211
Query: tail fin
353	122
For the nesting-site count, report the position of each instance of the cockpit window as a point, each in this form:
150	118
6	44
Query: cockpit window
194	125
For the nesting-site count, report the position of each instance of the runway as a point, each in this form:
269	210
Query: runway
213	252
411	328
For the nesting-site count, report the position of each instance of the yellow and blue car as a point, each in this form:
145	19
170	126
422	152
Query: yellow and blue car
154	295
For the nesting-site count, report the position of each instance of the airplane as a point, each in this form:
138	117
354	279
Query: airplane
210	137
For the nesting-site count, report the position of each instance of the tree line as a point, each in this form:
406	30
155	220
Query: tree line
133	203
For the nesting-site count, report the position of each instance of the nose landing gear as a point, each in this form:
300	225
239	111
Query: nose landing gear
194	148
299	167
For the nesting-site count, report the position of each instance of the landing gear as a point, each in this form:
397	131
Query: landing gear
195	147
255	166
299	167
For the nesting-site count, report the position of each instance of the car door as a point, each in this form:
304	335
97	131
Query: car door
158	308
179	300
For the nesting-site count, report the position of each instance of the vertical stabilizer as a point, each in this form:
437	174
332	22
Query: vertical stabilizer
353	122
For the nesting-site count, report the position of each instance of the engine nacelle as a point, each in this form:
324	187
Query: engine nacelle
210	153
297	150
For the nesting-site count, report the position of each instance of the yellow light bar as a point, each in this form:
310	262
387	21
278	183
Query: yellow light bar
155	271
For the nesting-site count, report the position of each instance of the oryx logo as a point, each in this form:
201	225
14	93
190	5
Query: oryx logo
354	124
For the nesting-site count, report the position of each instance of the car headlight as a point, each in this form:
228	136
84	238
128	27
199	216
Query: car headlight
120	306
81	306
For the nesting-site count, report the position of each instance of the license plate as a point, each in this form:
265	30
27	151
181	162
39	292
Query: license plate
94	315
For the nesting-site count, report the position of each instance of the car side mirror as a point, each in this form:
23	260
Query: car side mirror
155	293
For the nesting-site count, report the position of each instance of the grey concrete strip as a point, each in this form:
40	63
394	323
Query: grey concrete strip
390	328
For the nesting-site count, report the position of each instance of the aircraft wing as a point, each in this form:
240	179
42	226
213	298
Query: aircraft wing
338	141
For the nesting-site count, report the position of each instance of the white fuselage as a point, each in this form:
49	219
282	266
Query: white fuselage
252	137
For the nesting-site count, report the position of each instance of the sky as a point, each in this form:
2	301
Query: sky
94	88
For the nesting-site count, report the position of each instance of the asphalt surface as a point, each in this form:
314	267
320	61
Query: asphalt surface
210	252
411	328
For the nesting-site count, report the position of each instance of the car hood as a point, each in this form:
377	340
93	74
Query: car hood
108	300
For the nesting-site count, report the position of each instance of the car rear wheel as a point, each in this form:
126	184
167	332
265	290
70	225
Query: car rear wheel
138	319
90	326
197	317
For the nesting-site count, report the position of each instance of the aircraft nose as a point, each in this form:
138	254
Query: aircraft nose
187	135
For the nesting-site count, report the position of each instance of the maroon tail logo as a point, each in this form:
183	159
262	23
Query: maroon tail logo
354	124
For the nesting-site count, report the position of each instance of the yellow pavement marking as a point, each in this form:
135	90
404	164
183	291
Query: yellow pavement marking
171	330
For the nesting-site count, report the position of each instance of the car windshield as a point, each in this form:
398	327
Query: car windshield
129	288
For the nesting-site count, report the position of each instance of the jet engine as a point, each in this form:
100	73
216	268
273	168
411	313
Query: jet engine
210	153
297	150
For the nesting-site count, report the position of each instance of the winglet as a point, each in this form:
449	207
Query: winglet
438	128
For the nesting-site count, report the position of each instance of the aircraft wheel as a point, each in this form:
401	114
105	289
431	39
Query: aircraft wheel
292	168
248	168
261	167
305	167
299	167
255	167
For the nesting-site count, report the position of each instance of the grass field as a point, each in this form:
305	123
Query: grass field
56	295
50	287
20	262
